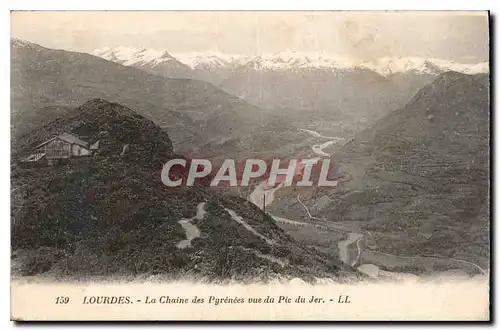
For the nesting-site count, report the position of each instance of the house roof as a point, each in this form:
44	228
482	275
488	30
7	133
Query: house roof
72	139
67	137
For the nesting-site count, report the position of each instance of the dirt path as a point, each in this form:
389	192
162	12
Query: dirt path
319	136
318	148
247	226
192	231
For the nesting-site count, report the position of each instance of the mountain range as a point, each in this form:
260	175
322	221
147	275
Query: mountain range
157	62
414	171
286	61
291	83
46	83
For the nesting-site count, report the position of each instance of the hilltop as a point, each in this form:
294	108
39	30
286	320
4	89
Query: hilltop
113	216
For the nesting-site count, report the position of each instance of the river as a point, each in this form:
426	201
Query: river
350	249
263	190
344	249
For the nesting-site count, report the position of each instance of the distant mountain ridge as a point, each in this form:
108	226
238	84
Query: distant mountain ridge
157	62
46	83
290	60
332	86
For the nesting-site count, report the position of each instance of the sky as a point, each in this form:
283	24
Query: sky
459	36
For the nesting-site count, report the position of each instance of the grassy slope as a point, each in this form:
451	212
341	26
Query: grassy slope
113	216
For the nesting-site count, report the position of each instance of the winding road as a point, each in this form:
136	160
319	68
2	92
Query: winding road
319	136
263	190
247	226
192	231
354	238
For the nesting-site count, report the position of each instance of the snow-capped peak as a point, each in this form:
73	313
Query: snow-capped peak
297	60
392	65
289	60
211	59
130	56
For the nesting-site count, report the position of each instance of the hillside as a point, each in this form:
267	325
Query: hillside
197	115
112	216
418	179
323	93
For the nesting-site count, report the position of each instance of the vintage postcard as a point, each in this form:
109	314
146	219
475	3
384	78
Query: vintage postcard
250	165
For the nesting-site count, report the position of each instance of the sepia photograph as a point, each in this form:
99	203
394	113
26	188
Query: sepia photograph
250	165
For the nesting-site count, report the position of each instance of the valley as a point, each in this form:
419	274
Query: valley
351	246
408	149
360	214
